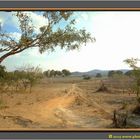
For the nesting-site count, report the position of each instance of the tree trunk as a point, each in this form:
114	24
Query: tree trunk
2	58
15	51
115	119
5	56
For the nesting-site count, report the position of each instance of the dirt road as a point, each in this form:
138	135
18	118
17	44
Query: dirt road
73	109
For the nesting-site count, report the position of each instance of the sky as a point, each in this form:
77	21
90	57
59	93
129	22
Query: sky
117	38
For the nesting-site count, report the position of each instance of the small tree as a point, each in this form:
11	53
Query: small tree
58	73
47	73
2	71
66	72
86	77
52	73
33	75
111	73
98	75
132	62
3	75
119	72
29	76
129	73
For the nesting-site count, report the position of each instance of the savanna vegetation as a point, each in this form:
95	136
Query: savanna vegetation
31	98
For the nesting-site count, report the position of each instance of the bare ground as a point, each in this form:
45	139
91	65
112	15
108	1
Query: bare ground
60	105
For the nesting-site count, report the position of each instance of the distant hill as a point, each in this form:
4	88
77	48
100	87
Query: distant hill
95	71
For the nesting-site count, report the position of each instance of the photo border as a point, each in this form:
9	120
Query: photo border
74	133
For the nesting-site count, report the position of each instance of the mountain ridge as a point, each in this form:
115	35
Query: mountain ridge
95	71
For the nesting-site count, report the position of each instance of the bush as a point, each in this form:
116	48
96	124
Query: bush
86	77
98	75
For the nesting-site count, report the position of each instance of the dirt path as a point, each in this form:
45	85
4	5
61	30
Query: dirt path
53	113
56	113
60	112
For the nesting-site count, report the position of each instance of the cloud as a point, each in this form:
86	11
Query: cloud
9	19
117	38
38	20
15	35
117	35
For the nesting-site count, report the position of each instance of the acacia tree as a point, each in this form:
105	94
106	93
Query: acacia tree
50	36
33	75
66	72
28	76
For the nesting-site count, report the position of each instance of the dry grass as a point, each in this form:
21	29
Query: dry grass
62	103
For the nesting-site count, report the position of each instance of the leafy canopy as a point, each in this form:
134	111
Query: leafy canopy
49	36
133	62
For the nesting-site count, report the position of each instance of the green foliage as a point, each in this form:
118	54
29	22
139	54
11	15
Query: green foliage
2	71
19	79
66	72
47	73
98	75
86	77
118	72
50	36
113	73
31	76
3	78
59	73
132	62
129	73
54	73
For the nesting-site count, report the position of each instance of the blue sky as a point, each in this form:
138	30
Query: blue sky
117	38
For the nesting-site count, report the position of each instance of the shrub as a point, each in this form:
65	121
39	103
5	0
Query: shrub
86	77
98	75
